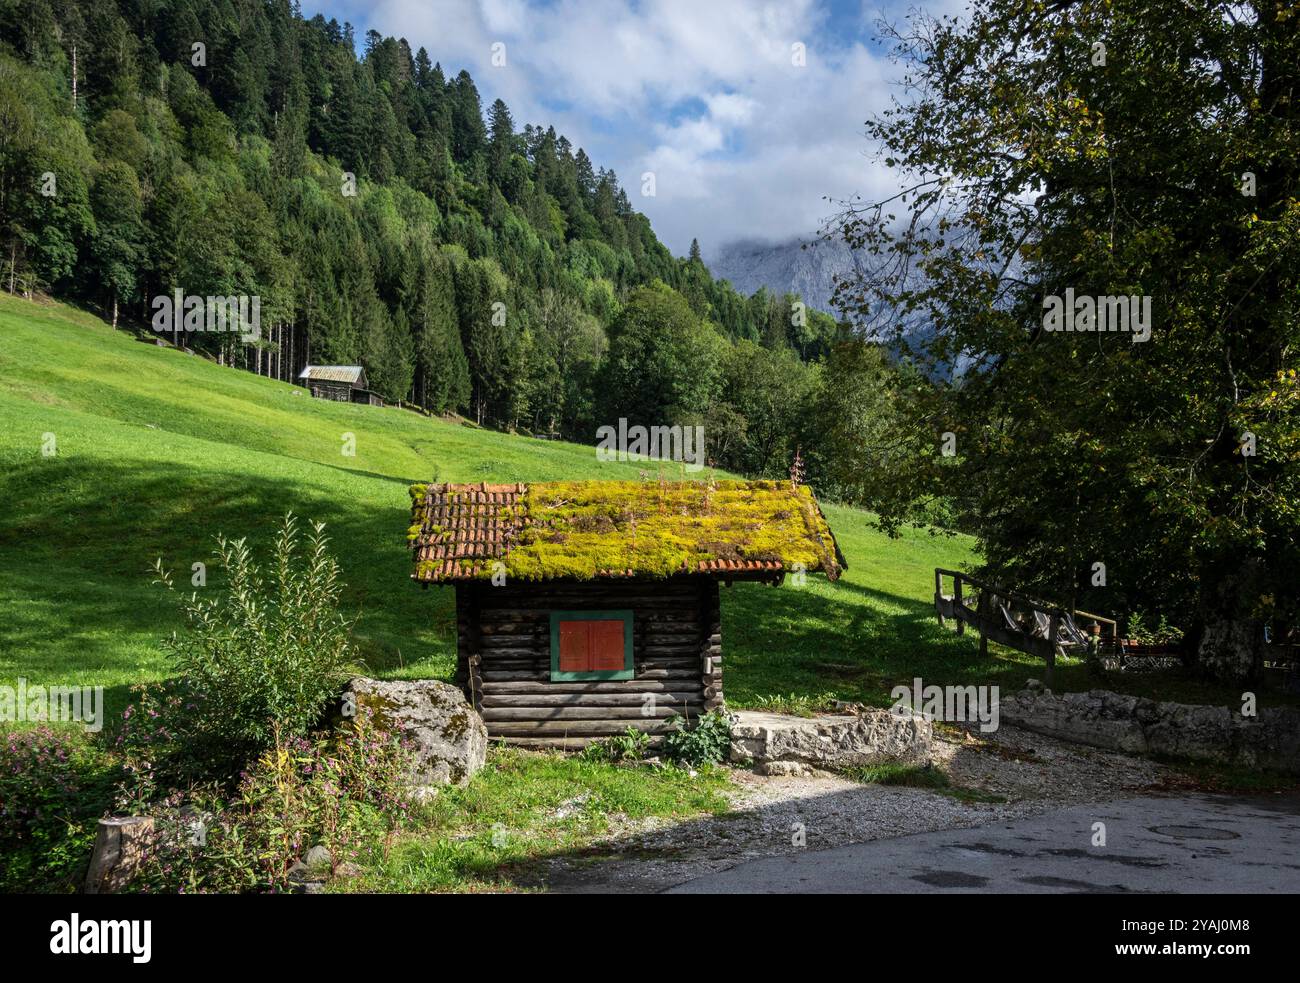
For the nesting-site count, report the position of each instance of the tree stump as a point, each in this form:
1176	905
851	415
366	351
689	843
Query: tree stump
120	847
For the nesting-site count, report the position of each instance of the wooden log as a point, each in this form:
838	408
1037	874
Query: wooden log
494	648
957	605
514	629
1019	640
493	676
711	669
121	844
669	651
475	682
594	686
684	661
938	596
679	640
1053	630
650	653
492	699
580	713
507	621
548	743
576	728
560	743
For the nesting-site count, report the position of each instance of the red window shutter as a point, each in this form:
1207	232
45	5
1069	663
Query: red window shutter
575	646
607	646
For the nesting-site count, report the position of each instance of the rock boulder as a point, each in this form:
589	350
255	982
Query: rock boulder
771	740
448	737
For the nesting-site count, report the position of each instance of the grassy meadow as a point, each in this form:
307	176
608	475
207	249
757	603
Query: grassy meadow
156	452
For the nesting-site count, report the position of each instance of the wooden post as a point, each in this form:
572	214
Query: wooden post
1054	626
981	620
475	660
956	604
120	848
711	650
938	595
464	628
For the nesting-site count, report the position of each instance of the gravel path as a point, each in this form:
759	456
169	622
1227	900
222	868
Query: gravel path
780	815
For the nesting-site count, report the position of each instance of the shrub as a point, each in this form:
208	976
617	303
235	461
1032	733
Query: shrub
348	791
705	743
165	743
631	745
54	787
1163	633
263	657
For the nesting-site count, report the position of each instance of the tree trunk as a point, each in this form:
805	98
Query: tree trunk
1230	640
114	310
120	847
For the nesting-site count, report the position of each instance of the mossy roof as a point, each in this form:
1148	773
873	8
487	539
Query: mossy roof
584	530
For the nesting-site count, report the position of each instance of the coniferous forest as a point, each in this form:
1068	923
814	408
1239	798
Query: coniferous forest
384	217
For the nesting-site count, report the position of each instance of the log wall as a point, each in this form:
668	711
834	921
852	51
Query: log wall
504	658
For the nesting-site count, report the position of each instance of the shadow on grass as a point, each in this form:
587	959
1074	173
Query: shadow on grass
488	851
845	639
81	538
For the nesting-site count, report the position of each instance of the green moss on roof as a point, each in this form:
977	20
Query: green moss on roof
582	530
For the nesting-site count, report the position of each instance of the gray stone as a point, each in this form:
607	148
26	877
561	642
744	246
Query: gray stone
1136	725
299	873
831	742
318	859
448	737
303	881
783	768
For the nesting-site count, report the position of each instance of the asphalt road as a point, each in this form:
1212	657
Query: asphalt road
1164	844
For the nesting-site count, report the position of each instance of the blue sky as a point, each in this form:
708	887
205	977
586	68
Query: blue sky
706	95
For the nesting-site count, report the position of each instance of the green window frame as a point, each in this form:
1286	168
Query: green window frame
627	672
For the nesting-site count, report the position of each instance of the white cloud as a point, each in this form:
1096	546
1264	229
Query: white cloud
766	143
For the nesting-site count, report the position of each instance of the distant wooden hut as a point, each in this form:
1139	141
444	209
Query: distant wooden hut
586	607
341	383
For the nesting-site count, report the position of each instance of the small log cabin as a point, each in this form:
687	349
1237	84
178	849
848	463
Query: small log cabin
583	608
341	383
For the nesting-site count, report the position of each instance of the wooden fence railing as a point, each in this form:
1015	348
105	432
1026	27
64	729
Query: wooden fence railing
1018	621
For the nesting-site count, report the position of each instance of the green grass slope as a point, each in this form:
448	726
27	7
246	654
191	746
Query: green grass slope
159	451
